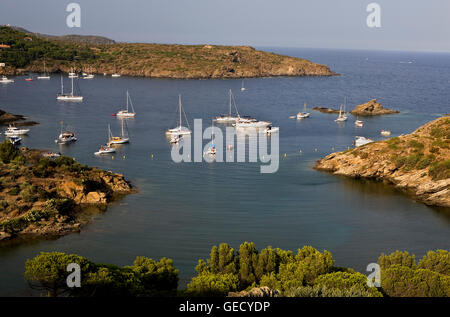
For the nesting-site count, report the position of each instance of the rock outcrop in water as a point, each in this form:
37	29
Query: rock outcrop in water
45	197
326	110
17	119
371	108
418	163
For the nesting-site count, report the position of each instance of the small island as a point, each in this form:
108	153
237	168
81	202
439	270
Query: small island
26	52
45	197
417	163
371	108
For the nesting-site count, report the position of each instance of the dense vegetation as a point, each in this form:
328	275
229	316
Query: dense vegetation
25	48
308	273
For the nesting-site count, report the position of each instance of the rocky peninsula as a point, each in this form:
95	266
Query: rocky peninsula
147	60
44	197
18	120
418	163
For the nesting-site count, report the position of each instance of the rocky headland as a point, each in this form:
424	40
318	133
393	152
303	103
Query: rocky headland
418	163
44	197
18	120
371	108
82	54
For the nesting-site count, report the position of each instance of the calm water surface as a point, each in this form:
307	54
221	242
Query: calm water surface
181	210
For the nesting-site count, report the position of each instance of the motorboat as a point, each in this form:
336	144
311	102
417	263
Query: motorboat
360	140
13	131
6	80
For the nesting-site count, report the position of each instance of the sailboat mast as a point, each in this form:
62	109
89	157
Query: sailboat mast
122	129
179	105
72	86
127	101
230	102
62	85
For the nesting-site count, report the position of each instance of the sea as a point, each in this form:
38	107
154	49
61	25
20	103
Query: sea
182	209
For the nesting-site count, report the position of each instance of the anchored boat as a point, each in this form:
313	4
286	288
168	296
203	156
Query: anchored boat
180	130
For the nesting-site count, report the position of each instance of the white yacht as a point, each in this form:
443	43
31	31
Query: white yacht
68	97
251	123
105	149
6	80
180	130
385	132
342	116
360	140
13	131
359	123
229	118
127	113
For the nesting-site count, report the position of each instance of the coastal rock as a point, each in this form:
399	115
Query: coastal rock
95	198
263	291
417	163
371	108
326	110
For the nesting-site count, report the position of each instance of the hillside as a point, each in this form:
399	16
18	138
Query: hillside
418	163
27	52
44	197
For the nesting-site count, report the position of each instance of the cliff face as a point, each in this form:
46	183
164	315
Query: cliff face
371	108
418	163
43	197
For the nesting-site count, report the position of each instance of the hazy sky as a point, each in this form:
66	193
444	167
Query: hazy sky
405	24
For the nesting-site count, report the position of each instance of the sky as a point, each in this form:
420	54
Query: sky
418	25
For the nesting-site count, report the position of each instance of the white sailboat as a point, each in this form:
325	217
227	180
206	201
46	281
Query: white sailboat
342	116
65	137
126	113
72	74
115	74
304	114
243	88
123	138
212	147
106	149
67	97
229	118
6	80
45	75
180	130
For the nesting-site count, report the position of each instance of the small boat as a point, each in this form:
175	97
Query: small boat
67	97
105	149
243	88
270	130
51	154
175	139
45	75
360	140
385	132
342	116
29	78
65	137
252	124
180	130
13	131
115	74
212	147
228	118
126	113
88	75
118	139
15	140
304	114
5	80
72	74
359	123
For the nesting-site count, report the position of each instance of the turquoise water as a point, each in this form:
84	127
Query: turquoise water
181	210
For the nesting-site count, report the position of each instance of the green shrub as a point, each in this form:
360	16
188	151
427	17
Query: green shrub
397	257
425	161
436	261
440	170
8	152
209	284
